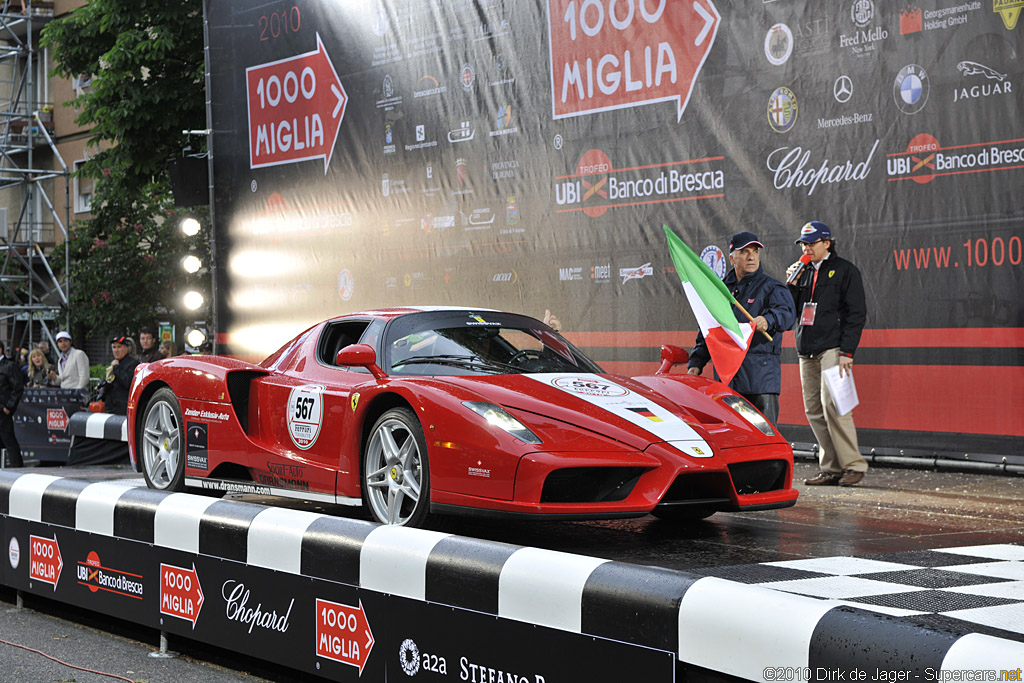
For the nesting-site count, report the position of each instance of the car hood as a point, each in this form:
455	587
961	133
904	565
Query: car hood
612	406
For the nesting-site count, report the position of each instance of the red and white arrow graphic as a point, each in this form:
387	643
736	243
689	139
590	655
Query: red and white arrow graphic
343	633
618	55
181	595
296	106
45	561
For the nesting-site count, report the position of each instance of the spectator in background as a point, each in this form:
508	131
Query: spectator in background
38	369
12	386
44	346
149	351
168	349
72	365
119	376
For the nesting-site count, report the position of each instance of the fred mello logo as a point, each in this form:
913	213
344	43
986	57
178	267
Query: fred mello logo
865	35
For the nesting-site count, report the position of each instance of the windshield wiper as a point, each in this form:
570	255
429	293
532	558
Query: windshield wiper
469	362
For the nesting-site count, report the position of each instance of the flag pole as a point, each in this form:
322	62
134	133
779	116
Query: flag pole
764	332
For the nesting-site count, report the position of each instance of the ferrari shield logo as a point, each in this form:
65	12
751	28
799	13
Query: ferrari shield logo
355	401
831	273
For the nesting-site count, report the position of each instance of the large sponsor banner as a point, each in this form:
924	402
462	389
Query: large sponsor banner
525	155
336	631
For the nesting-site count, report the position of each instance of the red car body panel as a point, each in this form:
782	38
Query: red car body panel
242	410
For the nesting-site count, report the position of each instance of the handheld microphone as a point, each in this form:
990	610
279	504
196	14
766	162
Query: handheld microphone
801	264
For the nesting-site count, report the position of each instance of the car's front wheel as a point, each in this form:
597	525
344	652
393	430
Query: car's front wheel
396	473
163	443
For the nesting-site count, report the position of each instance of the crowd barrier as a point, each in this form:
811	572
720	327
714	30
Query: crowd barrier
349	600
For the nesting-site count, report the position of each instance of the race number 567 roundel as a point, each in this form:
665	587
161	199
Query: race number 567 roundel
305	414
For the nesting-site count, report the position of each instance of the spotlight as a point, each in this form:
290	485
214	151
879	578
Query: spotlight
191	264
190	226
195	337
193	300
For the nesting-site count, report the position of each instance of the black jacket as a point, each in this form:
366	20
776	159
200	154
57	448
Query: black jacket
841	312
116	396
150	356
761	372
12	384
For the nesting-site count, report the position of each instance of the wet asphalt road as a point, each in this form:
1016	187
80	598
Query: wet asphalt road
892	510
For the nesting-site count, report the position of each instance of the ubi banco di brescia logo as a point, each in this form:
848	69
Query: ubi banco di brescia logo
95	576
597	186
794	167
925	158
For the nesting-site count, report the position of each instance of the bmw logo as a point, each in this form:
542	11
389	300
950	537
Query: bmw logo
910	90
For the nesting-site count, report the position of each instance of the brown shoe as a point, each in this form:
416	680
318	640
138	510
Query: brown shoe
824	479
850	478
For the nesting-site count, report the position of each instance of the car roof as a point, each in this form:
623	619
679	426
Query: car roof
397	311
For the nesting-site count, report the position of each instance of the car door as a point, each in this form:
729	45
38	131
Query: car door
305	414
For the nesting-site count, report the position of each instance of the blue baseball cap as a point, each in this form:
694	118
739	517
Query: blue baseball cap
814	231
743	239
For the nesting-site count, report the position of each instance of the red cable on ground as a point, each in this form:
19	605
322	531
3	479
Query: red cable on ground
80	668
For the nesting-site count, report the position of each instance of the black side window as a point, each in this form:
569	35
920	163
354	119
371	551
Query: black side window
337	336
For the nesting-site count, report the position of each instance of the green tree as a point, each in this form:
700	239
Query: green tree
146	62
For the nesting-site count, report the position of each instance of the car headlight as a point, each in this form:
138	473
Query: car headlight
749	413
496	417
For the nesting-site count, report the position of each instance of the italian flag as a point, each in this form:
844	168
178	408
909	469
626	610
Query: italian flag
712	302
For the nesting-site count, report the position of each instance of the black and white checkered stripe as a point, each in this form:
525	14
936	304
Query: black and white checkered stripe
99	426
709	622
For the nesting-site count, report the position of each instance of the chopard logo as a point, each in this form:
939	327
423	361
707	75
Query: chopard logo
792	167
236	598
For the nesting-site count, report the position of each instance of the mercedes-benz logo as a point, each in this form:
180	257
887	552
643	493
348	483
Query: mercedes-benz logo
842	90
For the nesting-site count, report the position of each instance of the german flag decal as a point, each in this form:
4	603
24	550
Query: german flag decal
646	413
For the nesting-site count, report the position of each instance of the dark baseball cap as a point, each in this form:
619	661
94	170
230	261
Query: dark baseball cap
814	231
119	339
743	239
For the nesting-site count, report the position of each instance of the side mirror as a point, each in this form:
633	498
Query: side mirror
671	356
360	356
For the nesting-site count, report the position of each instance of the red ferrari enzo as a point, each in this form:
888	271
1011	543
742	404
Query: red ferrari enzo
412	411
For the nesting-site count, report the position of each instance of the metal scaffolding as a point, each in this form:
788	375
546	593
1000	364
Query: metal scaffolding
30	291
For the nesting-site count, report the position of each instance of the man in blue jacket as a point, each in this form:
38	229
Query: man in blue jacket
759	379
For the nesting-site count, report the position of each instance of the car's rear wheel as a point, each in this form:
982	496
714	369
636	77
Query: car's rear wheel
396	473
682	513
163	442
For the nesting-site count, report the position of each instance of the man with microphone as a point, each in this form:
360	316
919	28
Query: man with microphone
759	378
831	312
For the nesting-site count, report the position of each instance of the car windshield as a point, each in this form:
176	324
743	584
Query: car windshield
477	343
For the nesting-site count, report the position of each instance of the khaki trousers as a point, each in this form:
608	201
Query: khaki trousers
836	434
